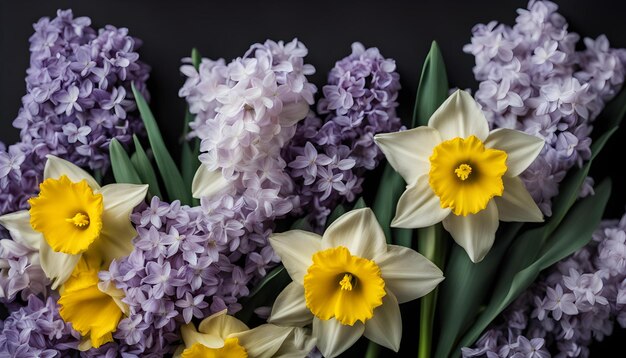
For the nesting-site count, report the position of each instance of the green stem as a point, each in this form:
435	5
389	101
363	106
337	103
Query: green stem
431	245
372	350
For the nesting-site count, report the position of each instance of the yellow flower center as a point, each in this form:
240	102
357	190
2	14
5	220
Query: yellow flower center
465	175
68	214
91	312
231	349
343	286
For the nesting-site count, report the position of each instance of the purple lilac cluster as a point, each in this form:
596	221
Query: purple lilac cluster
533	79
187	263
327	158
575	302
78	99
37	330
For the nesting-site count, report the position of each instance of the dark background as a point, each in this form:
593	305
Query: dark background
402	30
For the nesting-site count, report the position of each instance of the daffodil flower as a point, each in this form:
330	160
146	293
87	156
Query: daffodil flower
207	182
221	335
73	215
460	173
349	282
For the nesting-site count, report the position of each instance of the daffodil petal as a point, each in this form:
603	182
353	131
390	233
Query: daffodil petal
297	345
419	206
521	148
407	274
18	224
263	341
408	151
296	248
334	338
191	336
358	231
290	308
459	116
56	167
293	112
221	325
385	327
208	182
474	232
516	204
56	265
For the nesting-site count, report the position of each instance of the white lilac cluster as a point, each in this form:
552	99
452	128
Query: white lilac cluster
574	303
532	78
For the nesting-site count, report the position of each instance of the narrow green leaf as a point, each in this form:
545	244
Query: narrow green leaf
144	169
384	206
174	184
339	210
270	276
359	204
264	293
402	237
302	224
123	169
195	58
613	112
433	87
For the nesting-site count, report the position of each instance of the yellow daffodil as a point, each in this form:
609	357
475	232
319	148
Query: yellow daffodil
73	215
349	282
221	336
460	173
93	308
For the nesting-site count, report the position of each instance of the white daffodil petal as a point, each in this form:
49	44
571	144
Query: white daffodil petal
408	274
385	327
295	249
334	338
57	167
56	265
18	224
516	204
208	182
290	308
358	231
115	239
474	232
263	341
521	148
191	336
409	151
297	345
293	112
459	116
419	206
221	325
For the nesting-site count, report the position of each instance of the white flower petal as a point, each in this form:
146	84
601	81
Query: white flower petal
221	325
293	112
56	167
409	151
474	232
263	341
334	338
56	265
385	327
290	308
516	204
298	345
459	116
296	249
115	239
208	182
419	206
191	336
521	148
18	224
408	274
358	231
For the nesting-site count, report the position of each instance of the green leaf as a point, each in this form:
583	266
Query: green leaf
339	210
574	232
384	206
613	112
433	87
359	204
144	169
264	293
190	149
174	184
302	224
123	169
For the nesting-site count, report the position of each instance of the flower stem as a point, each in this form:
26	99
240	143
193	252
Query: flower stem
431	245
372	350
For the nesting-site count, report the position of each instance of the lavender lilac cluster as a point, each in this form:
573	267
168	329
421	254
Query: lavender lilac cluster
78	99
327	158
533	79
37	330
574	303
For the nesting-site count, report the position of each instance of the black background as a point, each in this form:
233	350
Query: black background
402	30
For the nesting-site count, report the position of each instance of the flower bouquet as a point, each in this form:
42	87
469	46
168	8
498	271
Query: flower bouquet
261	241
